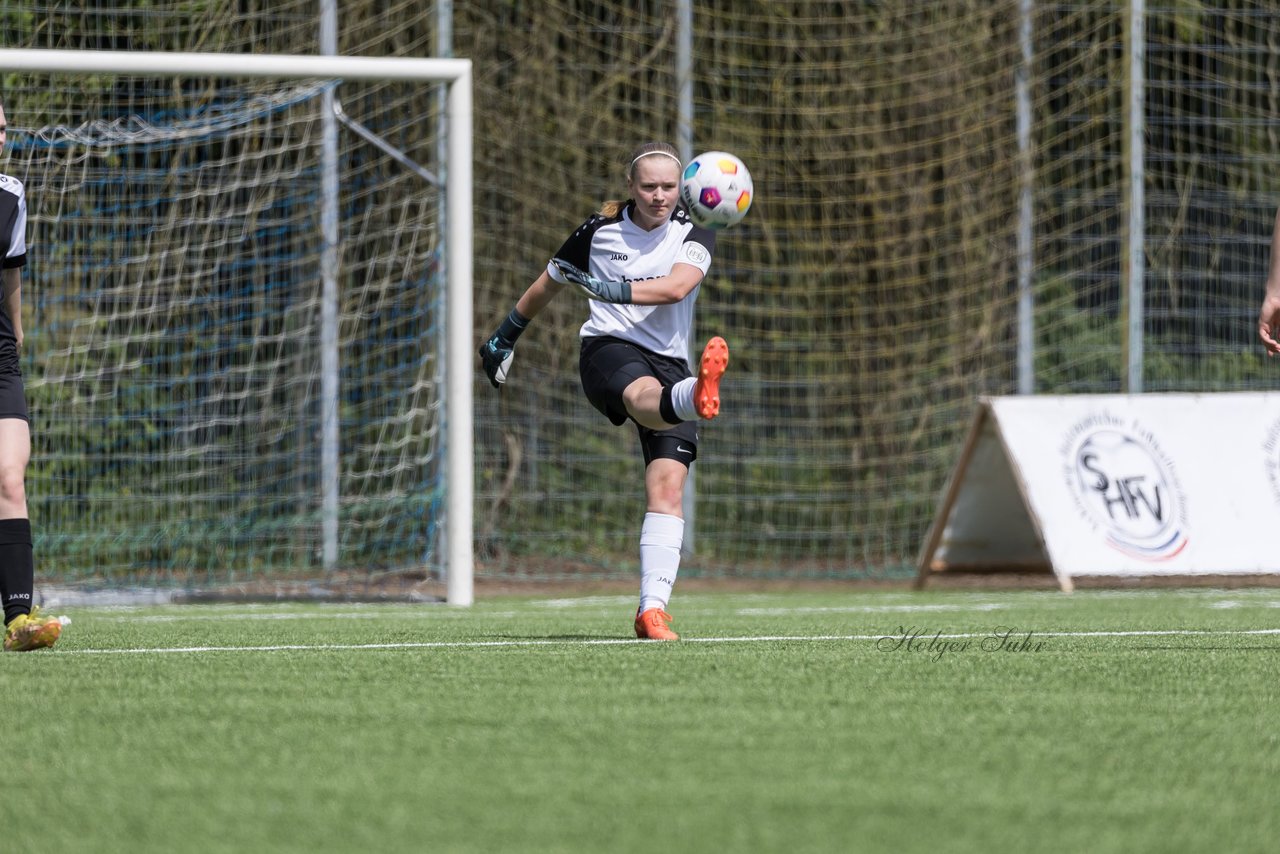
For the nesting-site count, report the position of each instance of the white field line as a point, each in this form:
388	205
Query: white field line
870	609
583	601
433	613
554	642
430	613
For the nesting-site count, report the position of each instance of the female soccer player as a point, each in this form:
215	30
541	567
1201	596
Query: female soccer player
640	263
25	629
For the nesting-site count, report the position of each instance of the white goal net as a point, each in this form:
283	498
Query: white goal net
214	402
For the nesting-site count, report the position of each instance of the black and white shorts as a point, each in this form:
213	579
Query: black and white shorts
609	365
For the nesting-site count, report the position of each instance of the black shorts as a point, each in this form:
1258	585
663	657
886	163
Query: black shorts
609	365
13	398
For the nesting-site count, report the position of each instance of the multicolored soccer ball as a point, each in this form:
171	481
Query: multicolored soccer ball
716	189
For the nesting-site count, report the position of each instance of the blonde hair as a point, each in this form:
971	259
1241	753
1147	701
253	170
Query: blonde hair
613	207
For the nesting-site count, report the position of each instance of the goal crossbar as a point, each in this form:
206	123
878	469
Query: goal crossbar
456	73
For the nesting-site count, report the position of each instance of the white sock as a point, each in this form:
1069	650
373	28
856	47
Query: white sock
682	399
660	539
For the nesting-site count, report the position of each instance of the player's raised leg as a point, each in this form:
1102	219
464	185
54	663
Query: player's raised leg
698	396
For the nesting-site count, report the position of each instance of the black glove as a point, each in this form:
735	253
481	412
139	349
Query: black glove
497	353
605	290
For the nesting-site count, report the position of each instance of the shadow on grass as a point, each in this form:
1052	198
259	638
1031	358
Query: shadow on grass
570	637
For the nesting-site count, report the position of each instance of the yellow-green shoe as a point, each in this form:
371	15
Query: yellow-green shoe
31	631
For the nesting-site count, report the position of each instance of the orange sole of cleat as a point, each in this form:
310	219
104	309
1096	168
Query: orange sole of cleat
706	394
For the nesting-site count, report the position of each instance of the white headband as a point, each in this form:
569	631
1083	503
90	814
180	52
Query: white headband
648	153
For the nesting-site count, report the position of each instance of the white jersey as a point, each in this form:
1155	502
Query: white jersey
13	222
616	248
13	250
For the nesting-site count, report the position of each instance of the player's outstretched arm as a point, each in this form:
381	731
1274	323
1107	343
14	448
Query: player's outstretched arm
499	350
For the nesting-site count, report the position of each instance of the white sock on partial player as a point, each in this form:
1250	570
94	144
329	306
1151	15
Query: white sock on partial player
682	399
660	539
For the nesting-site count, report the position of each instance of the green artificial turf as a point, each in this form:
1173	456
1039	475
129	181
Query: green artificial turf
831	721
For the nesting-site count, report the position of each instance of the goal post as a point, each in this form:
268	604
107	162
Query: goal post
454	403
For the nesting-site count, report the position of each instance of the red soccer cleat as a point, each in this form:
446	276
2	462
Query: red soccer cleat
706	393
652	625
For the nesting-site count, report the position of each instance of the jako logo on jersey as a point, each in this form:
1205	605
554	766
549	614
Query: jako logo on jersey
1127	488
618	256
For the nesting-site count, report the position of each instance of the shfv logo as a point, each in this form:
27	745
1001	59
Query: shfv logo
1271	459
1128	488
